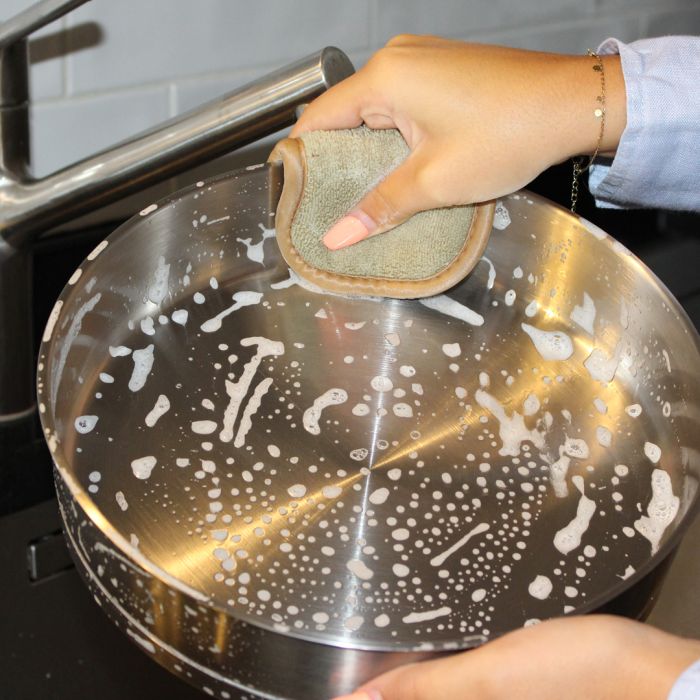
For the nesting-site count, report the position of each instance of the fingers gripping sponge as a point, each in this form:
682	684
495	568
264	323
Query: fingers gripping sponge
326	173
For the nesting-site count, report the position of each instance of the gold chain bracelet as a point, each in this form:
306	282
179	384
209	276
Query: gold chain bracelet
598	113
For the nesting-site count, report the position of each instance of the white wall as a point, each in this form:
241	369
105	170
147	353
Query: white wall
114	67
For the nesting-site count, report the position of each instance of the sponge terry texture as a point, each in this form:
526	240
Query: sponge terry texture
342	166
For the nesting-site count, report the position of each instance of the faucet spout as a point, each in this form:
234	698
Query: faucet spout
262	107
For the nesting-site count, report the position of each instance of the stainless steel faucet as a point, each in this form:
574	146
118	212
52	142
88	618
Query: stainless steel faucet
30	206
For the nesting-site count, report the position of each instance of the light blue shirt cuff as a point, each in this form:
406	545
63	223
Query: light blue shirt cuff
657	163
687	687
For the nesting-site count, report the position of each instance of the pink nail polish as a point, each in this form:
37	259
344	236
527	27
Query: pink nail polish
345	232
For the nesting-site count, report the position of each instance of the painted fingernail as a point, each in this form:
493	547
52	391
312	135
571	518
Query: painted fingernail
345	232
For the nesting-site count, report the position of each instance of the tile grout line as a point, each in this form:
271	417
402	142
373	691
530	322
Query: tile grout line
589	20
172	100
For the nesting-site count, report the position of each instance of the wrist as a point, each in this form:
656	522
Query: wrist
579	87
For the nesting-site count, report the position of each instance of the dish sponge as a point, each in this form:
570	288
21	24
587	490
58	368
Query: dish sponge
326	173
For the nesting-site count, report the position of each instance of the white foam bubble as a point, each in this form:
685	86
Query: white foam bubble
51	323
652	451
449	307
147	326
440	558
204	427
379	496
274	451
161	407
297	491
540	587
426	616
143	363
402	410
121	500
452	349
240	299
381	384
603	436
501	217
85	424
358	568
256	251
532	308
331	491
551	345
478	595
143	466
312	415
237	390
97	250
512	429
531	405
180	316
119	350
661	511
601	367
569	537
382	620
158	289
492	273
584	315
400	570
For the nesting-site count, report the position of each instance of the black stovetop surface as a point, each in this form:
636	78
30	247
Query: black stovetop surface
55	642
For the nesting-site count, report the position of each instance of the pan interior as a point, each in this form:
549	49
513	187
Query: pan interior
375	473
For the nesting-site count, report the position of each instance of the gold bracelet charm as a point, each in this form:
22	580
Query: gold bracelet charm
598	113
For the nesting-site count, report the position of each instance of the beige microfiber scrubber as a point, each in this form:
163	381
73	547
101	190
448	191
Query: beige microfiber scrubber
325	174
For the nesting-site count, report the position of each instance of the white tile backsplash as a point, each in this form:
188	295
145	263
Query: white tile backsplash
63	132
158	58
161	40
190	93
678	22
471	18
572	39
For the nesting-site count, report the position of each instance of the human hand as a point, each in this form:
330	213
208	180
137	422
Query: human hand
481	121
579	658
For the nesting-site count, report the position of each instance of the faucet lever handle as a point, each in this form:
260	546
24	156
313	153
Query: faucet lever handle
33	18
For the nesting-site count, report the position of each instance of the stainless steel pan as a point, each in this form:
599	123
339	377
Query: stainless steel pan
281	493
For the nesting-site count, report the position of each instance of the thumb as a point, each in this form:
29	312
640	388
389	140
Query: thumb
457	676
396	198
403	683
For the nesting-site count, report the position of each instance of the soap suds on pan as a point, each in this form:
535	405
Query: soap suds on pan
551	345
312	415
408	514
445	305
661	511
237	390
143	363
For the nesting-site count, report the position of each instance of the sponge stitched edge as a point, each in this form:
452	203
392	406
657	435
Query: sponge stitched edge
290	152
